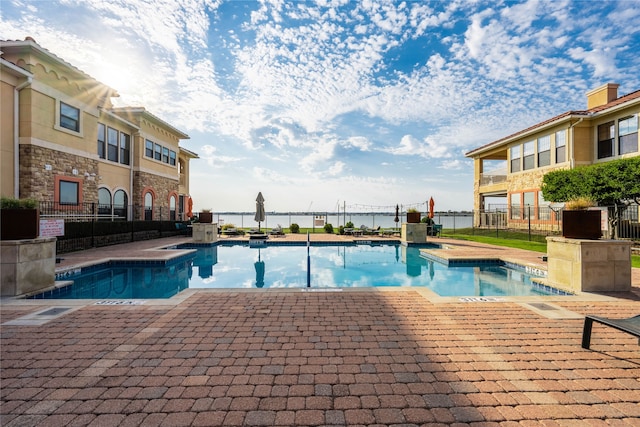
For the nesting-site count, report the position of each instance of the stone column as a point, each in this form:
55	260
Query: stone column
27	266
589	265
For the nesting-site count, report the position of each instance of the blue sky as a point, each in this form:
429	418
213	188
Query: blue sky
318	104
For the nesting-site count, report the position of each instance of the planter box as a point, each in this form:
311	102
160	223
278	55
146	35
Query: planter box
19	224
205	217
581	224
413	217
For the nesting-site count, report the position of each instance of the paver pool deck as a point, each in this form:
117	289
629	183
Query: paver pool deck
370	357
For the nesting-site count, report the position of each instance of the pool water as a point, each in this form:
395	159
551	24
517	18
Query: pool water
275	266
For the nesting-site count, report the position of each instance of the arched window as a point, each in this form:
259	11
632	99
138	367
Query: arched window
172	208
120	204
104	201
148	206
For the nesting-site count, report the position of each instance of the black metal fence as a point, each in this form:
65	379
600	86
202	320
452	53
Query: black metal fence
536	223
90	225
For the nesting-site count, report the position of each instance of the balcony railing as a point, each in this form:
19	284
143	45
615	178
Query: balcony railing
490	179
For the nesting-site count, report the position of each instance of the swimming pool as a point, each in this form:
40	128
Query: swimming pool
285	266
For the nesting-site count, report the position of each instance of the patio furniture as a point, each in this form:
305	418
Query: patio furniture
277	231
630	326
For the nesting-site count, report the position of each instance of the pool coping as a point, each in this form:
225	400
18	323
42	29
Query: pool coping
157	251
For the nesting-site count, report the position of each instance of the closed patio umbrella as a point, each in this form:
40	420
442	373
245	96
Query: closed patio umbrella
190	208
259	209
397	218
431	205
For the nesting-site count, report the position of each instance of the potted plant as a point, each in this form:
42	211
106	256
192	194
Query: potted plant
578	222
413	216
205	216
20	218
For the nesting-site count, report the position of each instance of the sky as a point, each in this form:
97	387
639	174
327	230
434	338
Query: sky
325	104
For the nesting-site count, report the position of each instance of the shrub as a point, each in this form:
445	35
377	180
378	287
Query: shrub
328	228
227	226
341	230
12	203
294	228
348	225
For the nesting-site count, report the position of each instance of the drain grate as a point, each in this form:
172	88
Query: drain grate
54	311
542	306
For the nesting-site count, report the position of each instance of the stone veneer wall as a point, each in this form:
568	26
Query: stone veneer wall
38	183
162	186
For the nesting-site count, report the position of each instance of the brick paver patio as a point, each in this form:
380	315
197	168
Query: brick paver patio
296	358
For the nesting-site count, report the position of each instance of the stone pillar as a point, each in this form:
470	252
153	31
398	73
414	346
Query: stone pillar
589	265
27	266
205	233
413	233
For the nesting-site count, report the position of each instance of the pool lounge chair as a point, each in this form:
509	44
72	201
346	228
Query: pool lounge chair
630	326
231	231
372	231
277	231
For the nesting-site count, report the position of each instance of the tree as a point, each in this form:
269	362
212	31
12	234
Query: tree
614	184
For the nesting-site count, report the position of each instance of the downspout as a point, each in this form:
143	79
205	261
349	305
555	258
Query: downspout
132	161
571	158
16	135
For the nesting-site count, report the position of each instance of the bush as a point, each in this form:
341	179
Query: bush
427	220
227	226
348	225
328	228
341	230
294	228
11	203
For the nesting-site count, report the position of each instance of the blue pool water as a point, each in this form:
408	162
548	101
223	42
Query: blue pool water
285	266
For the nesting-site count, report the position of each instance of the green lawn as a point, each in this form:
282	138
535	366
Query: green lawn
510	243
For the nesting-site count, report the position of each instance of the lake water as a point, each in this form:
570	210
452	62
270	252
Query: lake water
448	221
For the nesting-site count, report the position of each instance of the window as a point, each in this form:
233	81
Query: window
515	206
628	134
606	134
529	155
157	152
561	146
68	192
69	117
172	158
165	154
104	201
124	148
120	204
148	148
529	204
544	151
515	158
172	208
544	211
102	153
112	144
148	206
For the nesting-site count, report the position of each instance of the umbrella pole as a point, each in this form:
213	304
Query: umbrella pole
308	262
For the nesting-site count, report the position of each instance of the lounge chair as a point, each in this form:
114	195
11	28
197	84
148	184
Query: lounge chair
630	326
231	231
277	231
372	231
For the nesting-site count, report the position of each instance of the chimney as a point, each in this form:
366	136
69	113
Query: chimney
602	95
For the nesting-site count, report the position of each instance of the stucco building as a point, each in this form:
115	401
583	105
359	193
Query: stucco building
512	168
62	141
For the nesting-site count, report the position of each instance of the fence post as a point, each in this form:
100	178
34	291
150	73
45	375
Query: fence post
93	225
497	236
529	218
